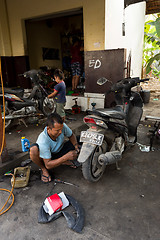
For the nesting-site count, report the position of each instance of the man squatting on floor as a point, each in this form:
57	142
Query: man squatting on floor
50	151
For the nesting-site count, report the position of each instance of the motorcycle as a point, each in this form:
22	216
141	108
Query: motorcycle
111	130
19	107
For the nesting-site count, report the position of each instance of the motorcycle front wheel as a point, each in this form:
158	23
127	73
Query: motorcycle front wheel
48	106
91	169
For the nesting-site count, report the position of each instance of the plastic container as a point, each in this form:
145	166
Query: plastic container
22	175
25	144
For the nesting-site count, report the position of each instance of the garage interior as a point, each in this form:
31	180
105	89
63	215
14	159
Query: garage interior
49	40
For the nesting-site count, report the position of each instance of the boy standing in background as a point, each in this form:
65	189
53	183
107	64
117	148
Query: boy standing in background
59	93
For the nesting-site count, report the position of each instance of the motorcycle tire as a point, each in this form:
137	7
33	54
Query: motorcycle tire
91	169
48	106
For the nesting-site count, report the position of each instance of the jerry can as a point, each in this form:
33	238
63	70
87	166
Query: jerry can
21	175
25	144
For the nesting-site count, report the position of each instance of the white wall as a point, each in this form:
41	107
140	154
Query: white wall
134	18
85	102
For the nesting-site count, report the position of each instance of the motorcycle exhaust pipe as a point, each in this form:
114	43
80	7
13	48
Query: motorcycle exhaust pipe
110	157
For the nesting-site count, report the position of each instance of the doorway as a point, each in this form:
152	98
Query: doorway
49	41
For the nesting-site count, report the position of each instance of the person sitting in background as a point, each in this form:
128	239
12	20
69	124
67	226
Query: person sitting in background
59	93
50	151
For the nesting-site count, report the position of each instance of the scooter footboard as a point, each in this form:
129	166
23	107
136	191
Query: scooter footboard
86	150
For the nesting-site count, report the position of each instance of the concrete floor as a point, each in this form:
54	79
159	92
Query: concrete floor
123	205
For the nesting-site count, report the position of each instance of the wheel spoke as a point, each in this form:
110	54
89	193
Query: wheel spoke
96	173
96	167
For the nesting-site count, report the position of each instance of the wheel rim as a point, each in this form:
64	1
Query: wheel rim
97	169
48	106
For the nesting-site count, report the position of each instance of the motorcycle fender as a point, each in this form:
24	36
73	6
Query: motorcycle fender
86	151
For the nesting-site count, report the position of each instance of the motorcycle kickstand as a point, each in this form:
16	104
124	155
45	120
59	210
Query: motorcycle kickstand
117	167
23	121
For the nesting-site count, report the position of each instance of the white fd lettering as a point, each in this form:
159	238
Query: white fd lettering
95	63
91	63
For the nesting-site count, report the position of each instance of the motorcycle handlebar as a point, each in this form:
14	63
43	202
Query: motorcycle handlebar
127	84
144	80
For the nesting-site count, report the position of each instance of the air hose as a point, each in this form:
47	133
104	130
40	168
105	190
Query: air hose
3	139
11	194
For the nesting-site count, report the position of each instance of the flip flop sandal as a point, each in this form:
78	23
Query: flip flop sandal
47	177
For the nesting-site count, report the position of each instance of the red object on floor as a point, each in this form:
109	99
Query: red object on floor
55	202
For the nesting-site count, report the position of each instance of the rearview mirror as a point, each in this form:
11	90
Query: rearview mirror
102	81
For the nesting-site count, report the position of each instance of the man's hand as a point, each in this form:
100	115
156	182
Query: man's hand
71	155
77	148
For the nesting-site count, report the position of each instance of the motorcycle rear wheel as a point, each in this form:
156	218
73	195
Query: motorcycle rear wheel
48	106
91	169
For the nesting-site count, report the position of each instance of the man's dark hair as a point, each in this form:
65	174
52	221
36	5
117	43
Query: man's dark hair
59	73
52	119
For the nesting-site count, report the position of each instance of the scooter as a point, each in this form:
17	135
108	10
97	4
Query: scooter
111	130
18	107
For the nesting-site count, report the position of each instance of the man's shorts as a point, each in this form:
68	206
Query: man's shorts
60	109
76	68
68	146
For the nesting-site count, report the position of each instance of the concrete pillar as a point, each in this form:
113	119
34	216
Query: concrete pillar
113	24
133	20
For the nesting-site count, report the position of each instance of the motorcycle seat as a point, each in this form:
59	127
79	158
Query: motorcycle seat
27	103
116	112
17	91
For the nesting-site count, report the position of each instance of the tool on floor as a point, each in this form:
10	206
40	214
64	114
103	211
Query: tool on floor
25	162
60	181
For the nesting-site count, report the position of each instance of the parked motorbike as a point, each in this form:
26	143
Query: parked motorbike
111	130
19	107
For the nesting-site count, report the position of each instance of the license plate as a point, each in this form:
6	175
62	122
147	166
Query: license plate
91	137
